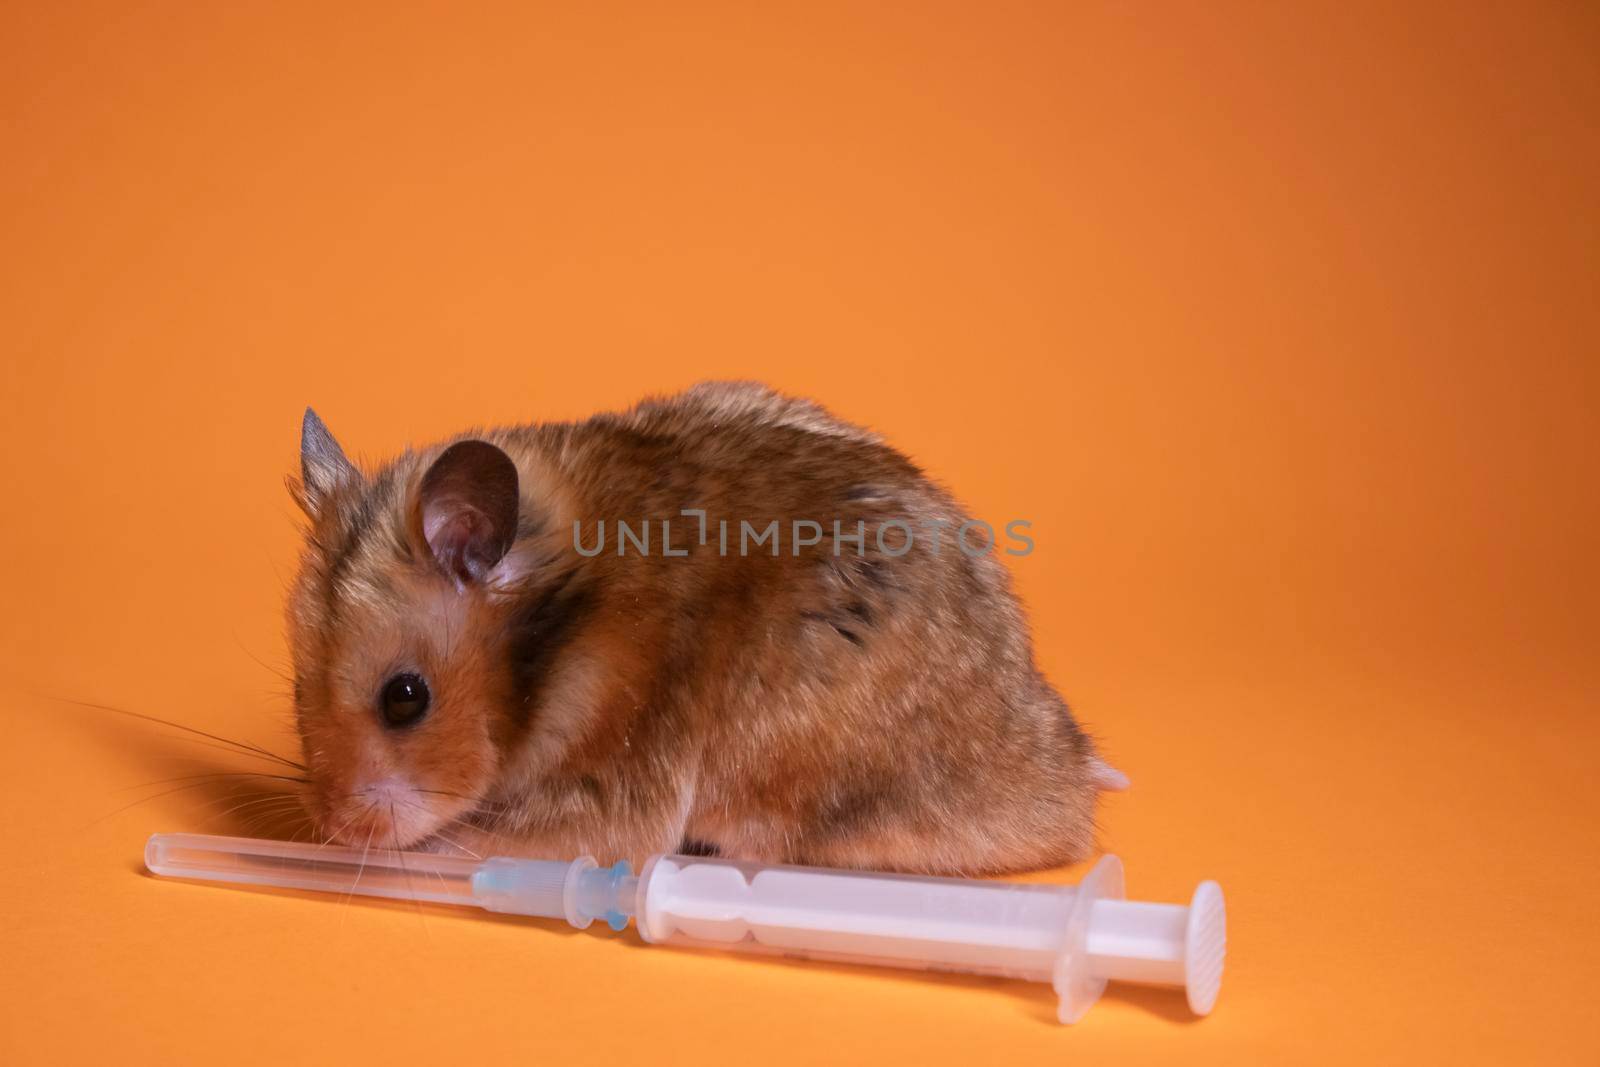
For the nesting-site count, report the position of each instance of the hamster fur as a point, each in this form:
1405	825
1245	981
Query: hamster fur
874	707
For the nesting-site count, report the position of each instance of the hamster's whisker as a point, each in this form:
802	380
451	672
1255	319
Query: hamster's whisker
477	805
263	811
441	836
266	820
274	803
263	664
411	885
458	846
463	823
271	804
366	850
245	800
477	802
241	746
200	743
145	800
329	838
436	834
170	792
494	836
214	776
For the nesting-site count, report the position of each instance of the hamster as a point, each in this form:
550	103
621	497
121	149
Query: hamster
571	638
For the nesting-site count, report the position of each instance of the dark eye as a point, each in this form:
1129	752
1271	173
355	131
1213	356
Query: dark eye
404	700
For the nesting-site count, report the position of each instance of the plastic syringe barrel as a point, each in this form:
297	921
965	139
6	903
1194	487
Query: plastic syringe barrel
908	921
1075	937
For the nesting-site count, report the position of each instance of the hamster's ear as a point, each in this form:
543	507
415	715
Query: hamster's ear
466	511
323	466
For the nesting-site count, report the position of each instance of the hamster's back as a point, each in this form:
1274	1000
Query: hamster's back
861	687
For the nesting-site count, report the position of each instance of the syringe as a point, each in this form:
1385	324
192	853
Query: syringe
1074	937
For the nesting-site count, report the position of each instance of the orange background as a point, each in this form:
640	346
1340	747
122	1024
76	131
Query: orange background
1278	321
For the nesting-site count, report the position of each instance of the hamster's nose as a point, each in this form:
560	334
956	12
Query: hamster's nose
386	813
391	794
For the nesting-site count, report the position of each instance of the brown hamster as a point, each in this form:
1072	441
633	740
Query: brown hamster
471	669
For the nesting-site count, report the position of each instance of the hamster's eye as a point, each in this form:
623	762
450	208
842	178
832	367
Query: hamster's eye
404	700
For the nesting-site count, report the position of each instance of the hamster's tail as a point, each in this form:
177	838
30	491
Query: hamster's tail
1107	777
